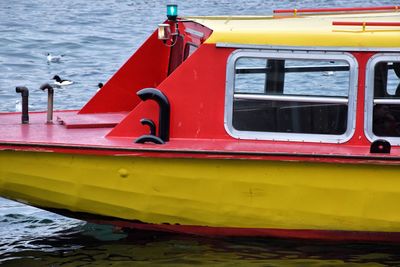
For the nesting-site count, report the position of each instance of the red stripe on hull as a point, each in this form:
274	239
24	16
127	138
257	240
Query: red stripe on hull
330	235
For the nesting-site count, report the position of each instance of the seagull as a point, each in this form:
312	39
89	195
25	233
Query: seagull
99	85
60	82
53	59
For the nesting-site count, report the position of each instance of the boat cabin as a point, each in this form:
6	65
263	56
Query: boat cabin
250	84
278	79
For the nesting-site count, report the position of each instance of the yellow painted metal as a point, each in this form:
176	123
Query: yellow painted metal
304	30
208	192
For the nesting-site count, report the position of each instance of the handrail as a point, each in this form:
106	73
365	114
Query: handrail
163	118
296	69
291	98
330	10
387	101
364	24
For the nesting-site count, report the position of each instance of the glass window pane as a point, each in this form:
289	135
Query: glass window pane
386	121
291	77
316	78
386	117
289	117
189	50
250	75
387	80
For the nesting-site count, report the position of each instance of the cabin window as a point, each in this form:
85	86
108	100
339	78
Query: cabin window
293	96
189	50
383	98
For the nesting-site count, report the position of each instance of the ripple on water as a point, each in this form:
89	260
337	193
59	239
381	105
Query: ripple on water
152	248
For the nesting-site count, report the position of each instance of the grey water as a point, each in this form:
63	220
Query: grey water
95	38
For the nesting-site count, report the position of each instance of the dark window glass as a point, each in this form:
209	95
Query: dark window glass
386	116
309	96
290	117
189	50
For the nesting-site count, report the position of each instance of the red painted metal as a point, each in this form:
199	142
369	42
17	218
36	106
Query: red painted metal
191	28
146	68
196	91
357	23
345	9
97	120
37	135
359	133
193	153
260	232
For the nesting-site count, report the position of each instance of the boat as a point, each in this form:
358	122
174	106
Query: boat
284	126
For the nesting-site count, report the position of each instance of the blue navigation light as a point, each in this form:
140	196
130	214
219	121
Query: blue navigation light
172	12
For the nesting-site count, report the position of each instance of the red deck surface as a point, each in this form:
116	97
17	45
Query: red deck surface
98	120
57	135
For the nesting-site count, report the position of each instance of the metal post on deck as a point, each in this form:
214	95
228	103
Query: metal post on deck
25	95
50	96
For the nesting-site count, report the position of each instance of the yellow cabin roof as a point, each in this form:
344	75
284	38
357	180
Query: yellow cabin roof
314	30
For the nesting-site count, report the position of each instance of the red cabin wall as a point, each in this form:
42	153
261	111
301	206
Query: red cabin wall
359	137
196	91
148	67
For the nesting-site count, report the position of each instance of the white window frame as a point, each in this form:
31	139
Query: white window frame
284	136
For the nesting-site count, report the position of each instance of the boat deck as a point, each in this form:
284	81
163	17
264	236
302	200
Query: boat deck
89	131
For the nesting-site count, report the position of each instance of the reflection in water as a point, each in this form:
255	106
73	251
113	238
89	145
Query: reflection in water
95	245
